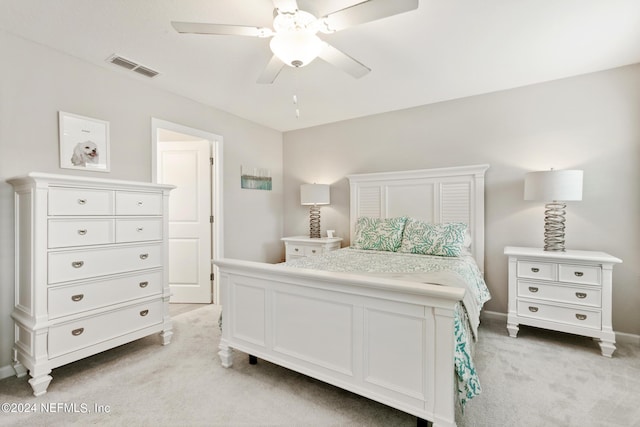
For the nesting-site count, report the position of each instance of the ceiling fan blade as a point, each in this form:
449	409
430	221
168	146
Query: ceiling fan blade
341	60
366	11
221	29
271	71
287	6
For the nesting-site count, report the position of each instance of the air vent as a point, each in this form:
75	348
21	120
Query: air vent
132	66
145	71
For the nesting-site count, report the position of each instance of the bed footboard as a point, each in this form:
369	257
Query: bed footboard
388	340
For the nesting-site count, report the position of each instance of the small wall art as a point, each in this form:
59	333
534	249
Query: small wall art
84	143
255	178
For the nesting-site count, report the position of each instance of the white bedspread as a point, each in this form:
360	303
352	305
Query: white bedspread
449	271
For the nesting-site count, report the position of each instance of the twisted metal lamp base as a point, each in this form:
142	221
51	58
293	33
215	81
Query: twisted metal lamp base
314	222
554	226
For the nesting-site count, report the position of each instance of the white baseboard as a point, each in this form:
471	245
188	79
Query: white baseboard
6	371
627	338
493	315
621	337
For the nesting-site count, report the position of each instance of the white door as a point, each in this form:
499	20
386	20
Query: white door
188	166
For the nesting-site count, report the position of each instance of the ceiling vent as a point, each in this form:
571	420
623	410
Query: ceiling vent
132	66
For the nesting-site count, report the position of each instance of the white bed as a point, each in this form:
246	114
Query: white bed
386	339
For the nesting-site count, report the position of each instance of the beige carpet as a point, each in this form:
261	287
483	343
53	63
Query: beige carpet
539	379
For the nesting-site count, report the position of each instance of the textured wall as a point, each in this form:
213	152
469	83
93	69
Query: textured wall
36	82
589	122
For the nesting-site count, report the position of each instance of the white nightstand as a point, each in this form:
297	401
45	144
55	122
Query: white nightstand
564	291
302	246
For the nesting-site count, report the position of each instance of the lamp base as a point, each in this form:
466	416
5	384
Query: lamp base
314	222
554	226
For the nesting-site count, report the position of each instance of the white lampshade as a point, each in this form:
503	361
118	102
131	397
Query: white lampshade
314	194
553	185
296	48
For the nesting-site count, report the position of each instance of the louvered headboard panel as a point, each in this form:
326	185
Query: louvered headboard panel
453	194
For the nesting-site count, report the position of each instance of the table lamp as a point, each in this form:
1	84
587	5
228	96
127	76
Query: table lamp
553	187
314	195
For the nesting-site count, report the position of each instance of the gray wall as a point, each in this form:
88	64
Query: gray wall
590	122
36	82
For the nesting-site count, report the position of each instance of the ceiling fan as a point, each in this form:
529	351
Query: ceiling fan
294	41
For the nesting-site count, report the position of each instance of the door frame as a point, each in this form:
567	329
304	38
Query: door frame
217	240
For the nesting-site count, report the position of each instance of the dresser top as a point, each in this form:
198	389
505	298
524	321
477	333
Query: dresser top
569	254
76	180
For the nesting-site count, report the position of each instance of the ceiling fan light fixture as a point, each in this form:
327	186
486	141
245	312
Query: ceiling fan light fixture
296	48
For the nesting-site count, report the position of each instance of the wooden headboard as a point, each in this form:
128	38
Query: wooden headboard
454	194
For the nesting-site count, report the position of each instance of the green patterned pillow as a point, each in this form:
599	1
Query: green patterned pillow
380	234
433	239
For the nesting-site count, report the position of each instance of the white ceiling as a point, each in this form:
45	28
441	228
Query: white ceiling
445	49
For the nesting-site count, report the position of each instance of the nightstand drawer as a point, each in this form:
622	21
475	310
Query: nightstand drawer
567	294
303	246
293	249
536	270
584	274
570	316
313	250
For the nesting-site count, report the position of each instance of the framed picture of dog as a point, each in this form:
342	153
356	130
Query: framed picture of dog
84	143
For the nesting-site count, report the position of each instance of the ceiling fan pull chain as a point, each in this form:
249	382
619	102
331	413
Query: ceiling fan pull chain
295	92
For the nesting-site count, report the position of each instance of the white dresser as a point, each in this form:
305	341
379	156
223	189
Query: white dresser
566	291
91	257
303	246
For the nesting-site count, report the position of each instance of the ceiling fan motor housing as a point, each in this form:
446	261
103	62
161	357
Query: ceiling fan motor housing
295	41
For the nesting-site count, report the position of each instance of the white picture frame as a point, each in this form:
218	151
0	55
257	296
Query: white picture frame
84	143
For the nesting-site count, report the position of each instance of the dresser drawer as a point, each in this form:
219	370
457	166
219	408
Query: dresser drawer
570	316
92	330
554	292
583	274
536	270
137	203
84	264
80	232
138	229
80	201
67	300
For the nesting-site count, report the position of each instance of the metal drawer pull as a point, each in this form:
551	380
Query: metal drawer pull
144	313
581	295
140	203
82	201
82	231
533	309
139	228
144	284
581	316
533	289
77	264
296	249
313	251
535	269
77	332
578	273
144	256
77	298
